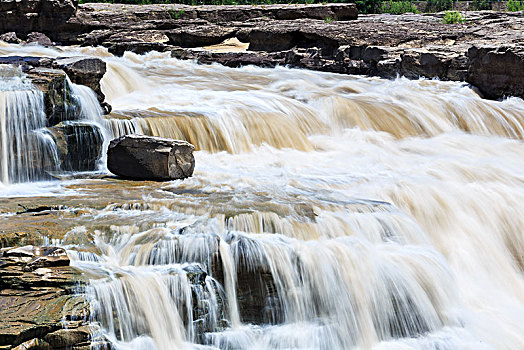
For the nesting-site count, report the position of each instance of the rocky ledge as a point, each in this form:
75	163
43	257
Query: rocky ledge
486	51
39	306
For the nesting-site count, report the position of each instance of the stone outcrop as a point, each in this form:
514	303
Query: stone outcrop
58	98
37	294
486	52
84	71
152	158
25	16
320	37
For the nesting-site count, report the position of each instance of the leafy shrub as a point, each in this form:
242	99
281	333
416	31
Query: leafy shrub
481	5
452	17
438	5
367	6
514	5
398	7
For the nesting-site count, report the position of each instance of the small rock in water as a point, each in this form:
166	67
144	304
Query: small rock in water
39	38
10	38
150	158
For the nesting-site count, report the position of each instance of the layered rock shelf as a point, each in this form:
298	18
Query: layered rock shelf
50	75
40	308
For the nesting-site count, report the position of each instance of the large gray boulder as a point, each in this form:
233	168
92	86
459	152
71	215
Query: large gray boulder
150	158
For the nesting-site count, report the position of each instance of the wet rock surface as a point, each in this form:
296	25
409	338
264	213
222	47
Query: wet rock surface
153	158
38	299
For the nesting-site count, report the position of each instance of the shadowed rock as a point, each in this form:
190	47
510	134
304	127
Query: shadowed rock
497	71
153	158
25	16
79	145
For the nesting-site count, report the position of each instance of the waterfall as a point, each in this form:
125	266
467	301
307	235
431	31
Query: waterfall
26	151
30	148
234	111
326	212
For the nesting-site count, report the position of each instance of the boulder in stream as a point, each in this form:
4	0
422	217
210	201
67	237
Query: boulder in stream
150	158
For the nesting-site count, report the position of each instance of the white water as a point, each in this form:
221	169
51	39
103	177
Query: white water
28	151
24	149
299	204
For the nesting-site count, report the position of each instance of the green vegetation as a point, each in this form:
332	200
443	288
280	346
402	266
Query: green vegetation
176	14
398	7
515	5
478	5
438	5
452	17
328	19
367	6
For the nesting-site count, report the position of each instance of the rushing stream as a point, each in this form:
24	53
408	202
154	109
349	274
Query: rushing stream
325	212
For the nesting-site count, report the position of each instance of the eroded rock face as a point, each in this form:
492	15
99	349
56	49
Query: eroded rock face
25	16
58	97
50	75
84	71
497	70
153	158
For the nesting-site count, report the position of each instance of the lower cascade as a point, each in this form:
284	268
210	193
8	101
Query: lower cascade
324	211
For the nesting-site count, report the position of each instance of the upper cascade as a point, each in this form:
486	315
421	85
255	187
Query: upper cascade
234	110
47	124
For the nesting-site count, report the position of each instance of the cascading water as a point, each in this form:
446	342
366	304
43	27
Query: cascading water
270	244
28	149
25	149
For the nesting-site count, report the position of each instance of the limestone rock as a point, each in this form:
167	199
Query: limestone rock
10	38
84	71
34	344
153	158
36	297
37	257
58	98
63	338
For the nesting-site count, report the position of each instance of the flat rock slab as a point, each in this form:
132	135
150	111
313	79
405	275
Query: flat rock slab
150	158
